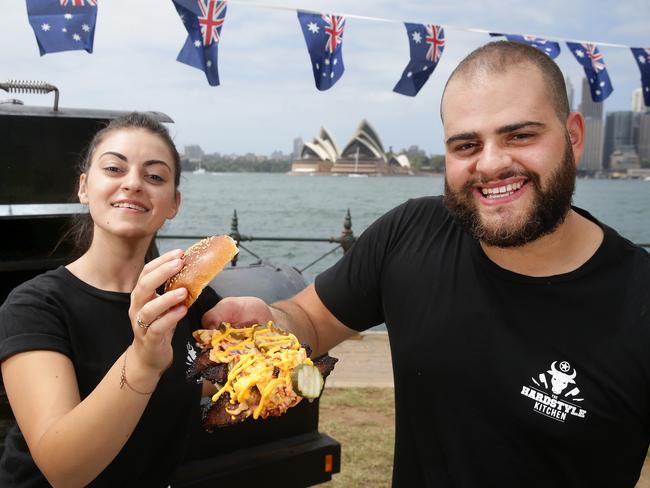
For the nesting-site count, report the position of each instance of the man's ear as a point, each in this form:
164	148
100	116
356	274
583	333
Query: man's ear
575	126
83	190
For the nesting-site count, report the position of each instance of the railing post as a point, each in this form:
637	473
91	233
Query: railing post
234	233
347	236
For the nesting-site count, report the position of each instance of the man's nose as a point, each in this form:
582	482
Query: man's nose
492	161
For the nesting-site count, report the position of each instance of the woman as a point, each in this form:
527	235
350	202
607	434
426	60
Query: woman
93	358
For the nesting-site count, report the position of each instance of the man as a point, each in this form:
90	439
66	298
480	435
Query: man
518	324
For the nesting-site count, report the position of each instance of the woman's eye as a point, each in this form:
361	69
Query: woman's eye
112	169
156	178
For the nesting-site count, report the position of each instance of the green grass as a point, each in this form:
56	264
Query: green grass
363	421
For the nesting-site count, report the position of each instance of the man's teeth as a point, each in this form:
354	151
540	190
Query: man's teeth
501	191
129	205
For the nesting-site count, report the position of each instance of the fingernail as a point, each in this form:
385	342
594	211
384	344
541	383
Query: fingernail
180	292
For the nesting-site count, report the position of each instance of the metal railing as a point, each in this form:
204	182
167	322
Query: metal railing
343	241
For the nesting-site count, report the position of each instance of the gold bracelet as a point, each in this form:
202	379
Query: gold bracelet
123	380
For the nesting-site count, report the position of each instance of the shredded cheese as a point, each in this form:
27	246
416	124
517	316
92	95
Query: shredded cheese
260	357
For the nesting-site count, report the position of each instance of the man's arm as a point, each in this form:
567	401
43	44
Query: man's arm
304	315
308	318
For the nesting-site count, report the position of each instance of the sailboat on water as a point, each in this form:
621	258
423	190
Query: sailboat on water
200	170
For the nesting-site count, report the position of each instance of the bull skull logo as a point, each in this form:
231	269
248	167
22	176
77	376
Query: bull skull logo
562	377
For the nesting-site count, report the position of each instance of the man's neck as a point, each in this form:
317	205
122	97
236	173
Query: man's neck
564	250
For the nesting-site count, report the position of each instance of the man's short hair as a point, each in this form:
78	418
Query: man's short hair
501	56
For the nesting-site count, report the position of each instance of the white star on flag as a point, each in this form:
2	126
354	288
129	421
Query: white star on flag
313	27
64	30
417	37
85	28
642	59
580	53
45	27
208	63
197	43
68	16
76	37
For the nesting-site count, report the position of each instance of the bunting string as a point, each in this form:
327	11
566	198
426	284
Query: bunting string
394	21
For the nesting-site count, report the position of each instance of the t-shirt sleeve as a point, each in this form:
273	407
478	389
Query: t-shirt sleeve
351	288
30	321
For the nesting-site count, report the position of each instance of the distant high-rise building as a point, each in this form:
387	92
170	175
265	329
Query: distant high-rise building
638	105
643	140
588	107
569	92
592	159
619	134
297	147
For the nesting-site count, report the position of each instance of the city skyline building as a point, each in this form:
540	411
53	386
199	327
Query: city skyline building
592	159
619	135
638	104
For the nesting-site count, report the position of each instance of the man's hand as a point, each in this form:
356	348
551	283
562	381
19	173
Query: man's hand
237	310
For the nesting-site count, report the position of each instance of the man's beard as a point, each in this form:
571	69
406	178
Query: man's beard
548	209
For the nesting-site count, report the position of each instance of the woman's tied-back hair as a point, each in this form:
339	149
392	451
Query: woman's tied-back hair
81	230
501	56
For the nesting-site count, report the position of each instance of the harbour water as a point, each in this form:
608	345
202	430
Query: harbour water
302	206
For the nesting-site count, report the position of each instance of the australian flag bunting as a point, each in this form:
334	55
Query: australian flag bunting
642	57
203	20
591	59
547	47
324	38
426	43
63	25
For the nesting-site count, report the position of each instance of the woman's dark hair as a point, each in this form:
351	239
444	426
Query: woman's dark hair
81	230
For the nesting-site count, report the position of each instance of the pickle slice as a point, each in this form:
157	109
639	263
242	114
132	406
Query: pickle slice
307	381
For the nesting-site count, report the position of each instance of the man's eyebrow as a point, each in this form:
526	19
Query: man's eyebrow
463	136
519	125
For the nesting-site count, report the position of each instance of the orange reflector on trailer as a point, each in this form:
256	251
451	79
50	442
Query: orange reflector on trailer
329	463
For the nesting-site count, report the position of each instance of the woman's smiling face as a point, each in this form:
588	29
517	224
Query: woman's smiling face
129	186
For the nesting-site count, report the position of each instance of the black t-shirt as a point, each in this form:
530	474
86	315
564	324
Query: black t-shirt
503	379
58	312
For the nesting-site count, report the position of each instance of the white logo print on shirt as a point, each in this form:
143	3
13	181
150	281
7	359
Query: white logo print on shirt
556	393
191	355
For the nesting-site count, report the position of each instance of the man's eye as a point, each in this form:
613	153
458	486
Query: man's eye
465	147
522	137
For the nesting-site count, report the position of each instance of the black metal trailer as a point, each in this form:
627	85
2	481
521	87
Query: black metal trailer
39	150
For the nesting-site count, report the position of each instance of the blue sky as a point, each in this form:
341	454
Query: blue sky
267	96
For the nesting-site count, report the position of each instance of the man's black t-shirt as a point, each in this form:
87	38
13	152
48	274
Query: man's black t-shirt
58	312
503	379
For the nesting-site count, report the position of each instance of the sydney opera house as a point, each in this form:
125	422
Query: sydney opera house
364	155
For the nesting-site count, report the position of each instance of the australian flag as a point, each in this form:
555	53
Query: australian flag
324	37
426	44
642	57
547	47
63	25
591	59
203	20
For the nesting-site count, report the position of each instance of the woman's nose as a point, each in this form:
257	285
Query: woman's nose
132	181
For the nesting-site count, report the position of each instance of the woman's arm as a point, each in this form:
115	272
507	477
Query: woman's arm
72	441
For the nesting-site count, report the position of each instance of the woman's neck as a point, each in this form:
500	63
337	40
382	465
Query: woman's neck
112	264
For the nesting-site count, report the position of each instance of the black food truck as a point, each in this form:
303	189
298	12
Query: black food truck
39	150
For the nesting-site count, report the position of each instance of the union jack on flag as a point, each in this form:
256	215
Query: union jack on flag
78	3
58	27
547	47
212	17
324	37
203	20
642	57
426	44
593	63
